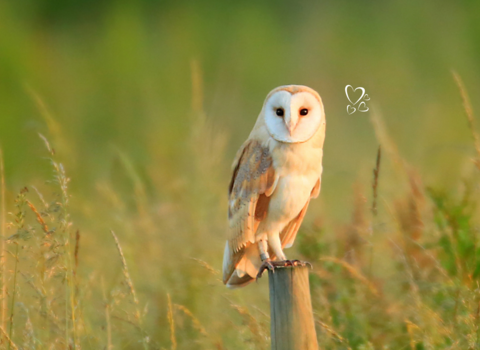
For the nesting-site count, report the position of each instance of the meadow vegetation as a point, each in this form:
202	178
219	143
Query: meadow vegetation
117	129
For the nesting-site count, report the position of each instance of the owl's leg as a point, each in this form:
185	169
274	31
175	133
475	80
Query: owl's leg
263	247
267	263
276	245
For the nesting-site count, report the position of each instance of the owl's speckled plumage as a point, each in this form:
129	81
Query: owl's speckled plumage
275	174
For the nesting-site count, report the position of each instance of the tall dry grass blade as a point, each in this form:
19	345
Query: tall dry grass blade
126	274
107	317
138	184
386	141
353	272
75	253
252	323
52	124
331	331
196	322
39	217
12	306
129	282
467	106
10	341
171	322
3	233
54	128
376	173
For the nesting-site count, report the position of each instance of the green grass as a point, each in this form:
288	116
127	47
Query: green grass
114	220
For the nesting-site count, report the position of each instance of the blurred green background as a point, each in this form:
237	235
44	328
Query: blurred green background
146	103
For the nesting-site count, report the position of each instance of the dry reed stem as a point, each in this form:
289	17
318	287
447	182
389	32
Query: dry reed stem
331	331
77	247
128	279
376	173
39	217
10	341
386	141
3	233
217	342
12	306
209	267
196	323
354	273
469	113
252	322
107	317
171	322
410	329
47	144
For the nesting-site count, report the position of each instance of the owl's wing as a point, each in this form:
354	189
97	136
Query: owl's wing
252	184
288	234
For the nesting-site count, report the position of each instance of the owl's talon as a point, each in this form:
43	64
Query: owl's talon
267	264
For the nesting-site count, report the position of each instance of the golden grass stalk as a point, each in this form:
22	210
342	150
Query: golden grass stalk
171	322
196	323
128	279
252	323
376	173
469	113
39	217
10	341
107	317
129	282
386	141
353	272
331	331
207	266
75	253
411	327
3	255
12	306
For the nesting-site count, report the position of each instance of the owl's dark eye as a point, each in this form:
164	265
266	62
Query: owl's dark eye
303	111
280	112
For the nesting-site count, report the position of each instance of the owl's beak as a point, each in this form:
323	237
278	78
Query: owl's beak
291	122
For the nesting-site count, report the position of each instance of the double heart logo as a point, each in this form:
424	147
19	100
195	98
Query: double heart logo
362	107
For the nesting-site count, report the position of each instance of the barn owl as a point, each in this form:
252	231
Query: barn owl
275	174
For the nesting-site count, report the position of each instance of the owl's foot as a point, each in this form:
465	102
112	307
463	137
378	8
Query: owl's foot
267	264
296	263
271	265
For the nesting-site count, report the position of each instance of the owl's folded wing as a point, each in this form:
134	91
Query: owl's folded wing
252	184
288	234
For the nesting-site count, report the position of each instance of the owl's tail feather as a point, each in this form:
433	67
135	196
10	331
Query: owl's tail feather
245	270
237	282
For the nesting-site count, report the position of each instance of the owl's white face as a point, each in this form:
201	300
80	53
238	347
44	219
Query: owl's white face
293	118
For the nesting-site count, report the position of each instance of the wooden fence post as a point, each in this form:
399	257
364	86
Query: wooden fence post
291	316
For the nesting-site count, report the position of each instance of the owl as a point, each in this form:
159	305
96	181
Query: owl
276	172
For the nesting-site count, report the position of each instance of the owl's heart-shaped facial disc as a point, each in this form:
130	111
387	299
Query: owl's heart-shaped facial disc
352	96
366	97
351	109
362	107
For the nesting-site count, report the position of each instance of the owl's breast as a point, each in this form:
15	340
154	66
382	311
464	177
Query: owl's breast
299	167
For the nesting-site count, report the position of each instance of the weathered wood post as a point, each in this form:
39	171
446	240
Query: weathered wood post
291	316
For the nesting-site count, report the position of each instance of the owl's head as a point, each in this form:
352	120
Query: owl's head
293	113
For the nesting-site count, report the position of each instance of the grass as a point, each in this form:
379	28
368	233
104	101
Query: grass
403	273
